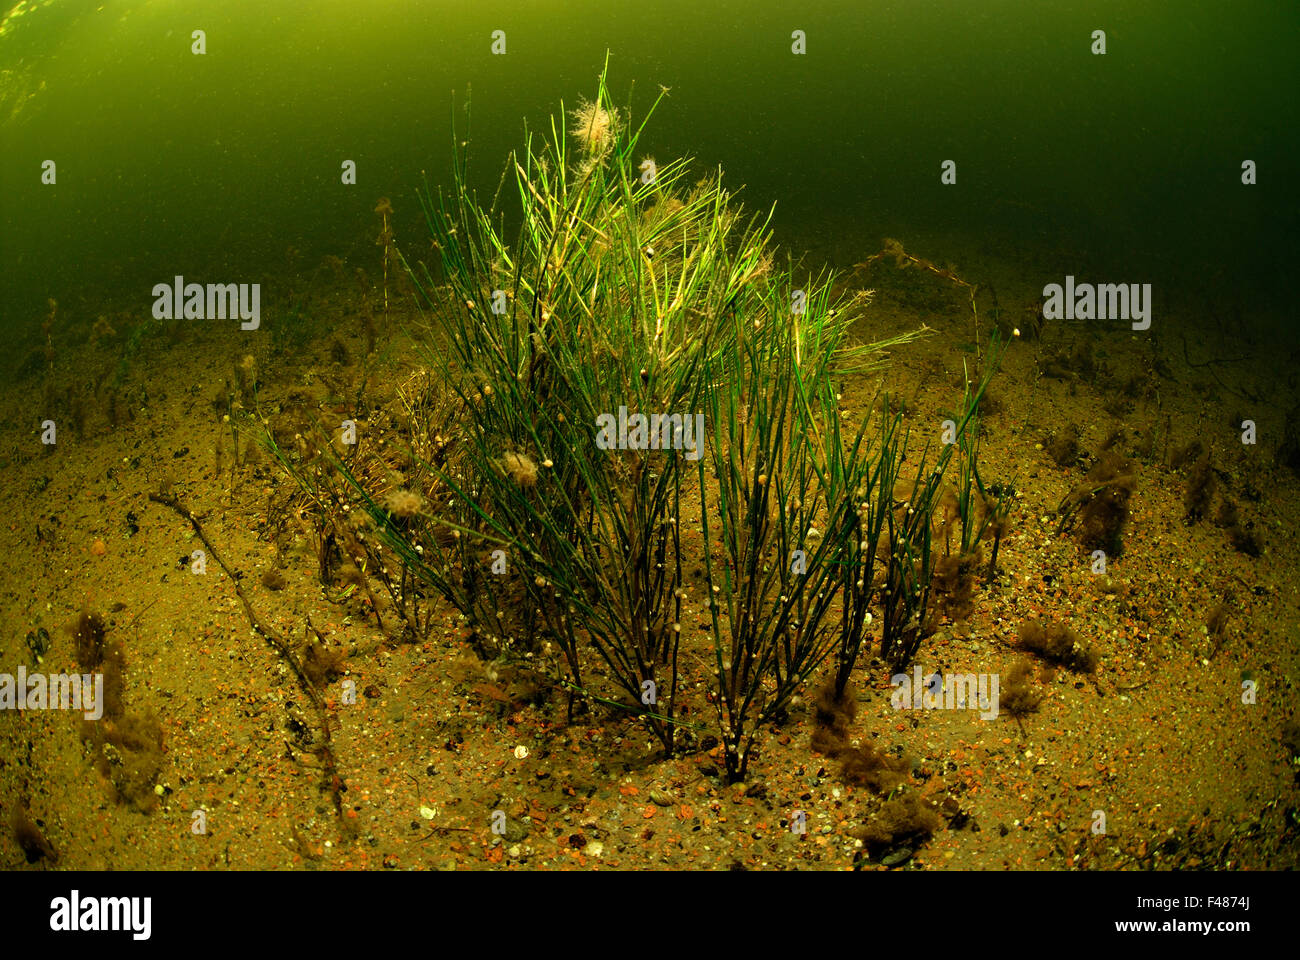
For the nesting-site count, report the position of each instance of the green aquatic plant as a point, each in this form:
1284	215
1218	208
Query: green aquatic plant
629	295
914	569
618	292
147	328
803	514
623	358
872	478
979	511
291	330
774	580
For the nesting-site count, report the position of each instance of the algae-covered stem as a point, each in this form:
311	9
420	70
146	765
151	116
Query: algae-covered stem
384	208
329	771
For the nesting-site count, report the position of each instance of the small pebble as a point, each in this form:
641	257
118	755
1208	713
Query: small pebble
897	858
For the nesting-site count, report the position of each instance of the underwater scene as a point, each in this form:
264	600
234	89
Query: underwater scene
683	436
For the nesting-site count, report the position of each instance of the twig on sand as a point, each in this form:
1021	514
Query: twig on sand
330	779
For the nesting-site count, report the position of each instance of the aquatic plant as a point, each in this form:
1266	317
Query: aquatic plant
1099	506
1063	447
833	711
1059	644
803	514
1199	492
1018	696
903	819
384	209
872	532
1216	623
635	292
628	350
30	838
1180	457
978	510
786	505
1245	540
602	306
909	580
997	506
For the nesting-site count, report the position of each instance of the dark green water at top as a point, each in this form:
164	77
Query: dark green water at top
1124	167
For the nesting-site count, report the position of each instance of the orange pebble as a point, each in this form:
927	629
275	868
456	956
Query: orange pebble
98	548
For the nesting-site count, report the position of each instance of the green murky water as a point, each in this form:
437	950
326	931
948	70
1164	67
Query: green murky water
1124	166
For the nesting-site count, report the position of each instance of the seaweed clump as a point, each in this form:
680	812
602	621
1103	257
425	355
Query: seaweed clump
31	839
1227	515
128	753
1101	503
1018	696
96	653
868	767
861	766
1199	494
904	819
1244	541
321	664
1064	447
1200	489
832	715
1180	457
954	583
1059	644
1216	625
89	632
125	748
